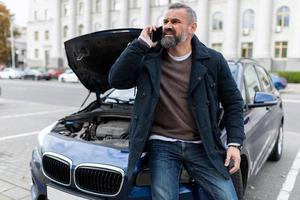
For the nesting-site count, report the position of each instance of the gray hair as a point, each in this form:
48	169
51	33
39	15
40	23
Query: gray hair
191	13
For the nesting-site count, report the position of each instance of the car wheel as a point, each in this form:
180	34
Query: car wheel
237	180
277	150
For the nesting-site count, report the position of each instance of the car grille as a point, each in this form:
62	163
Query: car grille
103	180
57	169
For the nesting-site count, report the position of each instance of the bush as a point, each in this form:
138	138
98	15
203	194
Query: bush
291	77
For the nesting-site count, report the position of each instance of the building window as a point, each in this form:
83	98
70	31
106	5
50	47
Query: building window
247	50
217	23
36	35
65	10
159	2
65	31
134	4
80	8
80	29
248	21
281	49
47	35
97	6
115	5
36	53
283	17
217	46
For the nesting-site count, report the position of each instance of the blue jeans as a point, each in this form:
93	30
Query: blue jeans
166	160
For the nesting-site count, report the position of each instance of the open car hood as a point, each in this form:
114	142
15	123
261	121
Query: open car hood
91	56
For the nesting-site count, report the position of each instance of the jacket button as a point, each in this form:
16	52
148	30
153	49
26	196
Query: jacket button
199	78
144	94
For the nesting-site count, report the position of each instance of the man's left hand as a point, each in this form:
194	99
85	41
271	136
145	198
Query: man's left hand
233	154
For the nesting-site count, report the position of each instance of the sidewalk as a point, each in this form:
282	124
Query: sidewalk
13	192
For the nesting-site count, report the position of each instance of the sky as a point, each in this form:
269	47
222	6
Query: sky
19	8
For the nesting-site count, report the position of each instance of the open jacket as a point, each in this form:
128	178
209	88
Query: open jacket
211	82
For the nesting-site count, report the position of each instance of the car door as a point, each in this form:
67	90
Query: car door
273	116
256	119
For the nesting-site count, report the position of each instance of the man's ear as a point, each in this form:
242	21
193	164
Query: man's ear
193	27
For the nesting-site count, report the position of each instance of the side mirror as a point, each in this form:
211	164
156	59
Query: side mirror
263	99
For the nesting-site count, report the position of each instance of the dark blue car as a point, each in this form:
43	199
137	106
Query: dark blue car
279	82
84	155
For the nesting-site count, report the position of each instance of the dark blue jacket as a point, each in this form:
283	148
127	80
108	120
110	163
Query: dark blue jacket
211	82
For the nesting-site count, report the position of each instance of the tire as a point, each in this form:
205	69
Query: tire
237	180
277	150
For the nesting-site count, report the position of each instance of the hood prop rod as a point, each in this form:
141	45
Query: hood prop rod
86	98
98	98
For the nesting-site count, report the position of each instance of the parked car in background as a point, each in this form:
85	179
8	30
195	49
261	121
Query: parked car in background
279	82
35	74
84	155
54	73
68	76
11	73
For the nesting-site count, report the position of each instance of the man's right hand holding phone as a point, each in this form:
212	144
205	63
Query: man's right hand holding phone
146	34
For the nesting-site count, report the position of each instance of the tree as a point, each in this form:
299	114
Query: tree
4	34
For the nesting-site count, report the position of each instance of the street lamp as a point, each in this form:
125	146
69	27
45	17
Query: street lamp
13	65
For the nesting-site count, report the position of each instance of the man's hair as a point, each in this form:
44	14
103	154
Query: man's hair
191	13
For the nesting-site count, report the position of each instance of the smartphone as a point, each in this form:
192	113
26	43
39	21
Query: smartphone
156	35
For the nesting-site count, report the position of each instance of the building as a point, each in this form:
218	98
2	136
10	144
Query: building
21	48
266	30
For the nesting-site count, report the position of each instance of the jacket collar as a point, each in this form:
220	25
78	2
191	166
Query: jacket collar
199	53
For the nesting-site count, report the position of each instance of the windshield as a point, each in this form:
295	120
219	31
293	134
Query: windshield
121	96
234	70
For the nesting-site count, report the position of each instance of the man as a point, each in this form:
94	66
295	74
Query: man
180	83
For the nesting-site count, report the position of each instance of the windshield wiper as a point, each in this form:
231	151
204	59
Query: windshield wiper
129	101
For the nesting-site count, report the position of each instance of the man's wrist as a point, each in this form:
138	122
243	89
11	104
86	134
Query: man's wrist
235	145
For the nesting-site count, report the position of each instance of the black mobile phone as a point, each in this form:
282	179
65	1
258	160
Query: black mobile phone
156	35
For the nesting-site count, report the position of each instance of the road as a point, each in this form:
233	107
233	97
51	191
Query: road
28	106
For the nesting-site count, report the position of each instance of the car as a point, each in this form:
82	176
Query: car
68	76
35	74
279	82
11	73
84	155
54	73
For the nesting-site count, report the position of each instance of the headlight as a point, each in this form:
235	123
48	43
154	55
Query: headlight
143	177
42	134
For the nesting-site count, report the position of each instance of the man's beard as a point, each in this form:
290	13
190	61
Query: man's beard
172	41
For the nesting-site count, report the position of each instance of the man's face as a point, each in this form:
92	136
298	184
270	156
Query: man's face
177	28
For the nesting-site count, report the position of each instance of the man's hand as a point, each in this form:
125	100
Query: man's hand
145	35
233	154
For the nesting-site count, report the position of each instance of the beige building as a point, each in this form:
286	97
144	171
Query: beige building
266	30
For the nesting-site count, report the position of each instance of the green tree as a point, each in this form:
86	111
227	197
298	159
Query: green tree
4	34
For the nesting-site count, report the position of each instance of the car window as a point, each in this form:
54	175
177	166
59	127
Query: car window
252	82
264	79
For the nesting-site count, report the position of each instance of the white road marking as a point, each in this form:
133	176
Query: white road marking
36	113
290	180
18	136
291	101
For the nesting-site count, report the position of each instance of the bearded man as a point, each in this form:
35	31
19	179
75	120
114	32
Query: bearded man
180	83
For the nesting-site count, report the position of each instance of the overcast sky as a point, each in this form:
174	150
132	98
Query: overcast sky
19	8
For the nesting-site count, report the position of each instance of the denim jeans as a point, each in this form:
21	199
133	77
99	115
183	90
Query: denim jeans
166	160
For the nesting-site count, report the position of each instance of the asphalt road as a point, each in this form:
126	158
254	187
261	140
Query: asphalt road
28	106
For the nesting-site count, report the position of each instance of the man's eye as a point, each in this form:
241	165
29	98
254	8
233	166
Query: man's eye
165	21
